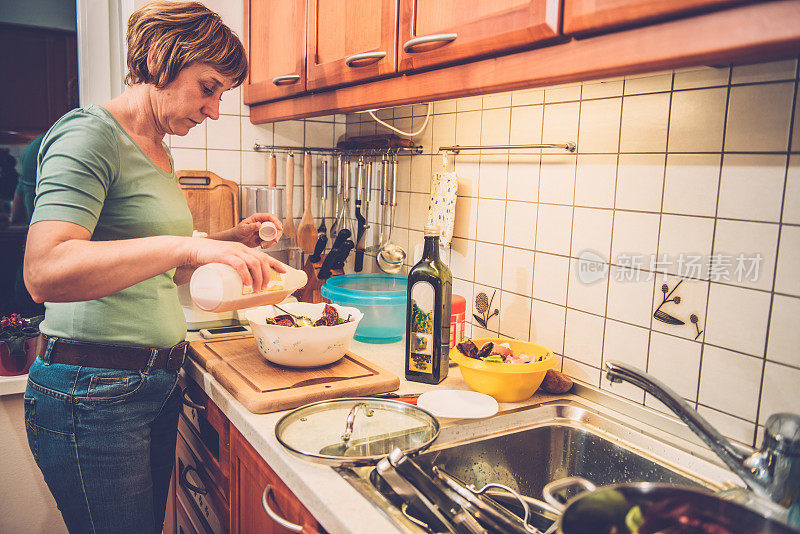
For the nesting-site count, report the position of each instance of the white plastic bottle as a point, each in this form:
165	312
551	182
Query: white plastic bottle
217	287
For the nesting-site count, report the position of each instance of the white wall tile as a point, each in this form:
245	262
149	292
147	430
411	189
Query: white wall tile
595	181
751	248
547	325
787	277
648	83
687	300
225	164
591	230
553	229
196	138
695	77
523	178
470	103
515	315
550	275
518	271
602	89
189	159
583	339
779	391
599	125
728	382
676	362
466	218
627	344
562	93
758	117
791	197
684	244
527	97
254	168
495	126
784	336
442	106
229	105
526	125
224	133
582	372
255	133
462	258
468	171
491	220
443	131
421	174
520	229
737	318
557	179
729	426
560	122
640	180
468	128
319	134
691	183
494	297
644	123
587	294
493	176
635	234
751	186
630	296
697	120
289	133
487	259
764	72
796	127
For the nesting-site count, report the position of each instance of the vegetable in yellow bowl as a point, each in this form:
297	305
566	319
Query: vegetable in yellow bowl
506	382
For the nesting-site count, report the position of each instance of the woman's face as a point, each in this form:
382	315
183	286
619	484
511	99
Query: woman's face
191	97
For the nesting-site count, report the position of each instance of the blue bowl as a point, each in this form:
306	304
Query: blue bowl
380	297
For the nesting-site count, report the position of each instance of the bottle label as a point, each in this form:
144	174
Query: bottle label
422	301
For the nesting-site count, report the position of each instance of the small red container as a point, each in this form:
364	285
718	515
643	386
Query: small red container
458	310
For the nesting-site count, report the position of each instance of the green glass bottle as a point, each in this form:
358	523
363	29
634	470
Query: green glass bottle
430	286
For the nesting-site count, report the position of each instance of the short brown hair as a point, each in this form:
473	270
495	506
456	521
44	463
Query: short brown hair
181	34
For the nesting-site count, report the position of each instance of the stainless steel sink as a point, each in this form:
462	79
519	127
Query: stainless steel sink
527	448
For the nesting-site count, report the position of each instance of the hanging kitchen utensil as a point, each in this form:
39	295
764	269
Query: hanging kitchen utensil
288	224
355	431
362	222
647	508
306	232
391	256
337	195
322	229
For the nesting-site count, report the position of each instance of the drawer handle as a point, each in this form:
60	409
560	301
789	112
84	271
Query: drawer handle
443	38
365	59
288	79
288	525
184	480
191	404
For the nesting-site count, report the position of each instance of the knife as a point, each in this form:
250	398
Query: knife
322	240
328	263
341	254
362	221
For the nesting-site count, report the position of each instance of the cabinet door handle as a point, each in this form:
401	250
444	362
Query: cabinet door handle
364	59
288	525
184	480
191	404
443	38
287	79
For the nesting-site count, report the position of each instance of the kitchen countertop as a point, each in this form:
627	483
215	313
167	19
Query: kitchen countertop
337	505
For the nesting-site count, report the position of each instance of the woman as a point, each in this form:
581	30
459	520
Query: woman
108	243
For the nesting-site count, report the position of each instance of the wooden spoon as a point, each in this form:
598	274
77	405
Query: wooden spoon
288	224
272	173
307	232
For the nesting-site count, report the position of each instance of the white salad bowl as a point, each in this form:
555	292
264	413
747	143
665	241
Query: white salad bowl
306	346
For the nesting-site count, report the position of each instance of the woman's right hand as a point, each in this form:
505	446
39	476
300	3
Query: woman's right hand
252	264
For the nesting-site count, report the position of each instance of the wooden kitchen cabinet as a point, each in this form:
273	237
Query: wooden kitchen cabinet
250	475
434	32
350	41
274	37
589	16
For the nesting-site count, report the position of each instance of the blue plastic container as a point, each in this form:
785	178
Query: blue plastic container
380	297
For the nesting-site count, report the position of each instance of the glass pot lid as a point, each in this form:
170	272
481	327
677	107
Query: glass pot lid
355	431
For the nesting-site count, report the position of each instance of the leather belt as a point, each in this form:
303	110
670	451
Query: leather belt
109	356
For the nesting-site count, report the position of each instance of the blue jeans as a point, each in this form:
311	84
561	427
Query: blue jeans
104	440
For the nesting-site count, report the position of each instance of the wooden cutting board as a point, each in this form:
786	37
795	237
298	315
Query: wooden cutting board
213	201
263	387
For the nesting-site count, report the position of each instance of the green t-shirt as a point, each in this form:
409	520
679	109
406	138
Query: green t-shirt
92	173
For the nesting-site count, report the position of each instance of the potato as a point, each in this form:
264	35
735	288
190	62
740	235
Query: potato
556	382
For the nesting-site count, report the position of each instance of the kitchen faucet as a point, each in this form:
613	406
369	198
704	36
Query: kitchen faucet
773	472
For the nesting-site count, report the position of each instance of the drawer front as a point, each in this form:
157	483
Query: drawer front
197	492
184	523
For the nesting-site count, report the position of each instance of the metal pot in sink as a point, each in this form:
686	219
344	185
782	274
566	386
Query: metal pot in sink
645	508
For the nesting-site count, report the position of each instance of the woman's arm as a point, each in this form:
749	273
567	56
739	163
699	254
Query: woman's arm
63	265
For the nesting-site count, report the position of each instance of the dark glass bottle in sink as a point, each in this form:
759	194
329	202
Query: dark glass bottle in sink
428	314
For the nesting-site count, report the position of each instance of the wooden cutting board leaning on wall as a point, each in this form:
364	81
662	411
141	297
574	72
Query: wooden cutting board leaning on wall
213	201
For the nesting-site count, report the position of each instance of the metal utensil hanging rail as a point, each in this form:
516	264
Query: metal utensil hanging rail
258	147
570	147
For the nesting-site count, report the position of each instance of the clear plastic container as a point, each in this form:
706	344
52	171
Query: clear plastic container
380	297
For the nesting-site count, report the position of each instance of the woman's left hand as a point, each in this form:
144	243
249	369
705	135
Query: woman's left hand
246	232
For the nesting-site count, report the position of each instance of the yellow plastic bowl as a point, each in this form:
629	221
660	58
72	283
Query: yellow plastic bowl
506	382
